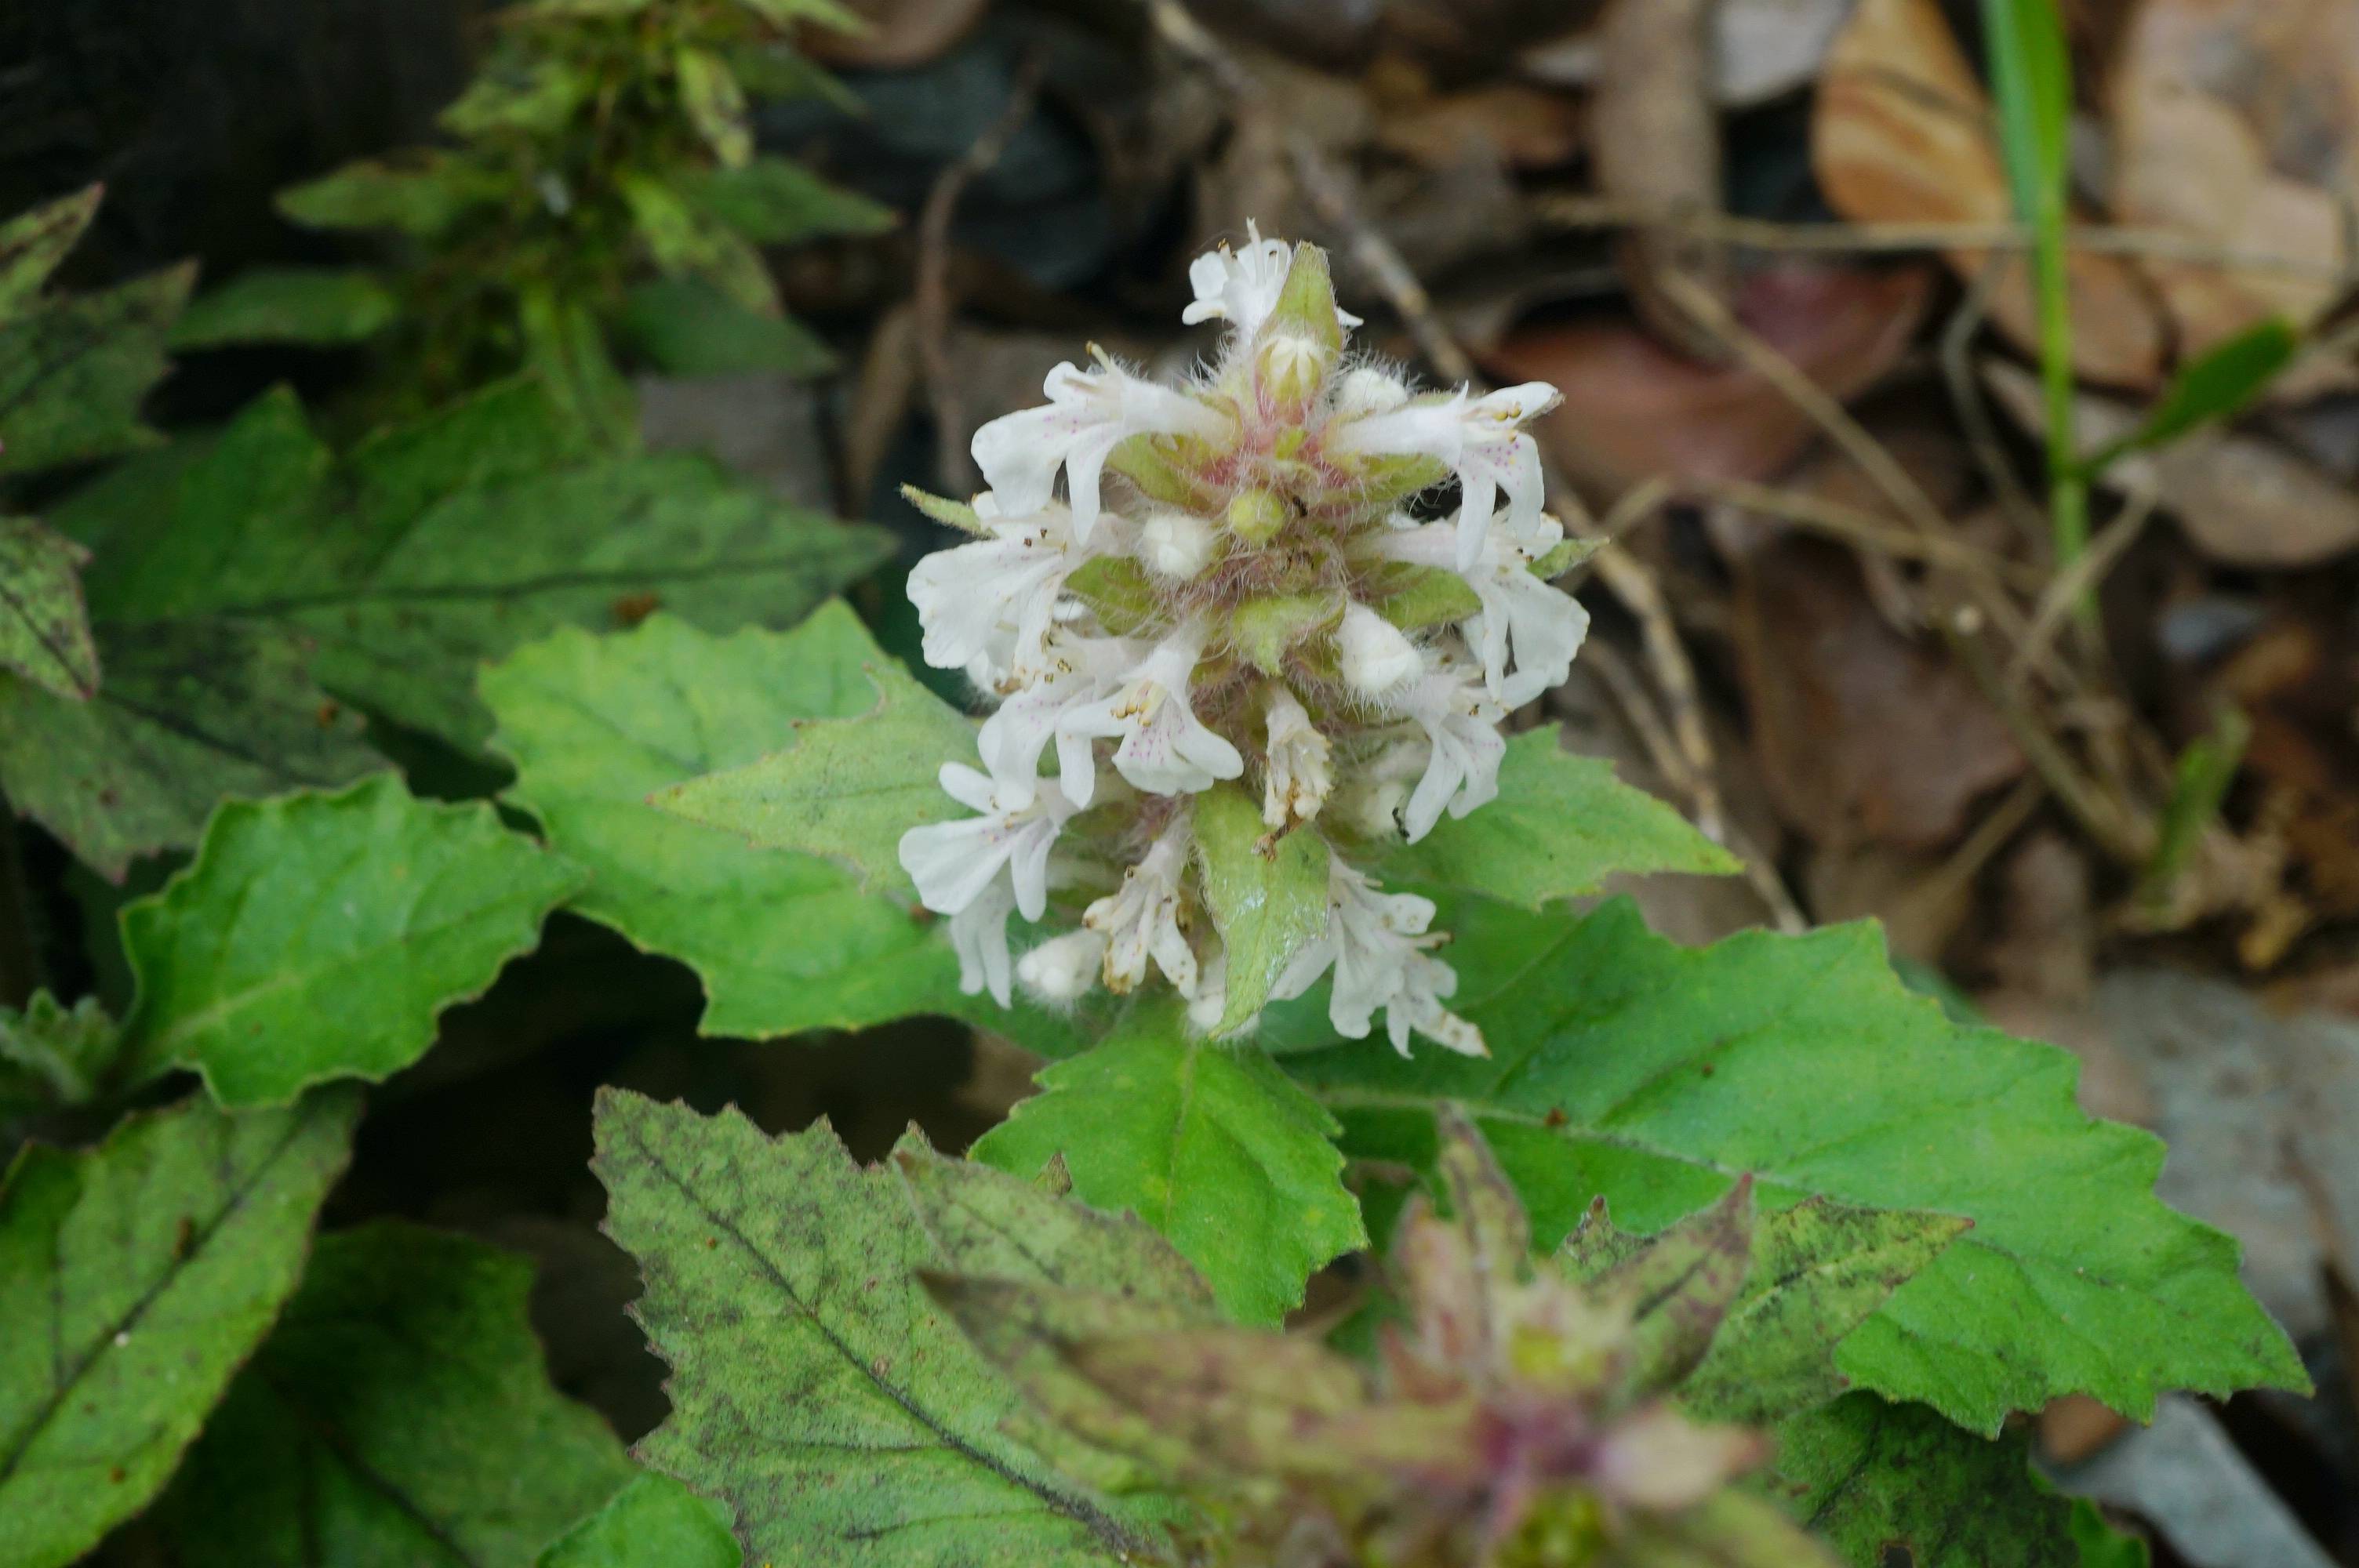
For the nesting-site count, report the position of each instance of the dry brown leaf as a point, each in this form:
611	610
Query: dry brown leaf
1633	409
1903	135
2242	499
1525	127
2239	124
900	33
1864	735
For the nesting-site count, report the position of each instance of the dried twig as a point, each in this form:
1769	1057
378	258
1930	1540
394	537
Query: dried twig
1973	413
2074	584
1865	529
2121	828
1870	239
1645	720
955	469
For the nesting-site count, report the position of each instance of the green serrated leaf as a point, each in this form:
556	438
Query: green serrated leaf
1562	826
1208	1143
134	1279
51	1053
774	201
1818	1269
997	1227
843	787
814	1388
319	936
1872	1478
1804	1061
1267	895
689	327
43	628
443	545
34	243
685	240
715	104
783	941
1674	1291
191	712
421	199
534	96
322	305
400	1414
654	1522
74	371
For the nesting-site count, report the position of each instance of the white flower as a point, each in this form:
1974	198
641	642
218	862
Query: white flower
1461	723
979	938
1243	289
1299	776
1377	942
1064	968
1542	625
1164	749
1088	413
1073	671
1142	920
1178	545
1377	659
1239	289
954	864
1482	441
987	607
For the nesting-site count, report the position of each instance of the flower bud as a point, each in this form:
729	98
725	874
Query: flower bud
1292	367
1368	390
1064	968
1376	659
1256	516
1176	545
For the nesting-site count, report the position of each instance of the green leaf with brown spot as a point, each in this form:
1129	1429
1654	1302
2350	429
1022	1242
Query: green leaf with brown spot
840	1416
134	1277
399	1417
44	629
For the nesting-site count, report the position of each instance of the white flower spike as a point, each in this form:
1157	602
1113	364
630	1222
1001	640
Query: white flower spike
1088	413
1232	595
